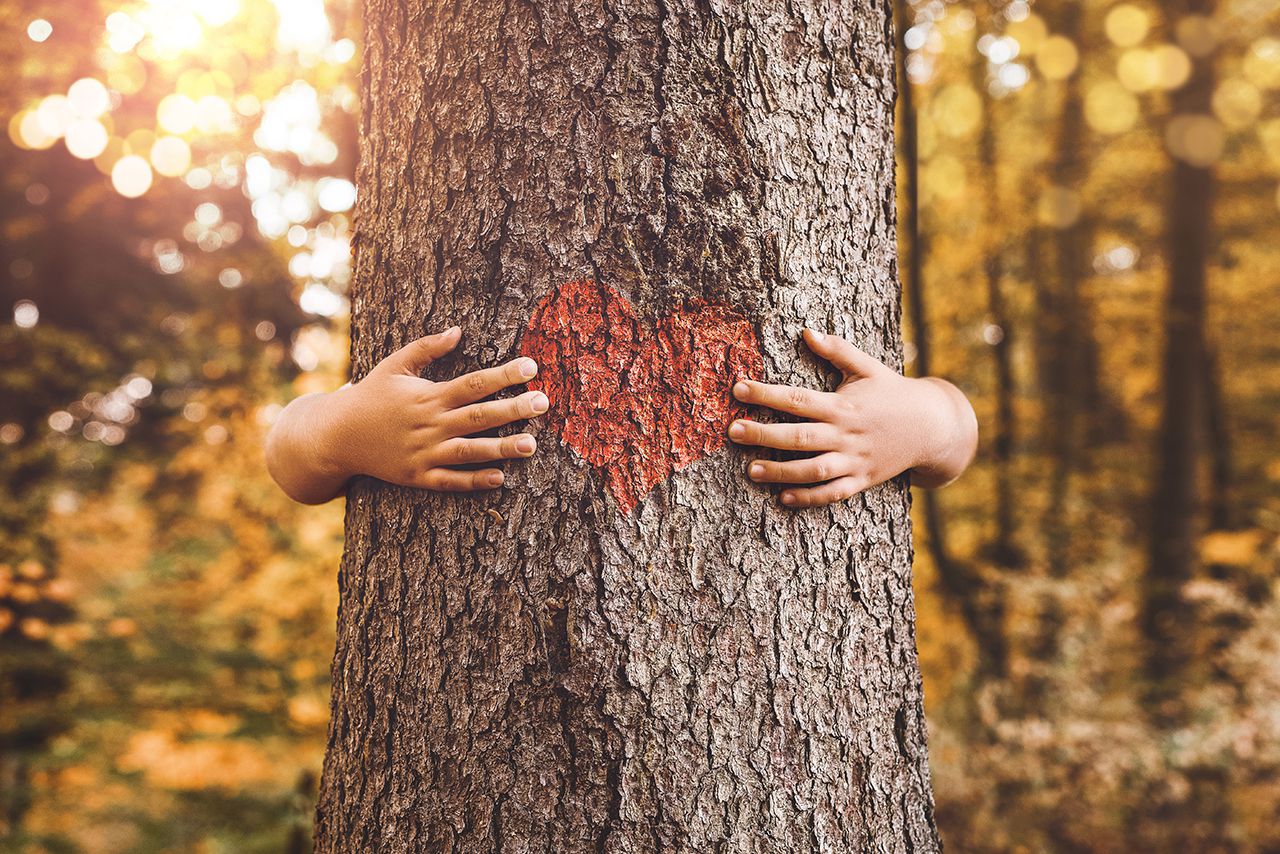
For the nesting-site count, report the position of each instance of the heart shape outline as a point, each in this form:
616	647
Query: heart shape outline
638	401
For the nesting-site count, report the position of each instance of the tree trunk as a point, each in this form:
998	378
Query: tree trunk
630	647
1176	523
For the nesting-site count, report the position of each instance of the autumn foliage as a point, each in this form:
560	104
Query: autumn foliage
1098	611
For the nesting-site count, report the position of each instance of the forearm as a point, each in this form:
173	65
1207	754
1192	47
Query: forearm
956	438
302	452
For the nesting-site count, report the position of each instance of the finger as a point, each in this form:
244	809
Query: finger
495	413
478	385
452	480
808	436
804	402
851	361
463	451
809	470
416	355
840	489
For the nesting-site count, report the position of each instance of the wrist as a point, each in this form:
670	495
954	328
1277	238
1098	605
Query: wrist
332	443
950	435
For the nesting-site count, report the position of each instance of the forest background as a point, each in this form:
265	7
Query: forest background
1099	618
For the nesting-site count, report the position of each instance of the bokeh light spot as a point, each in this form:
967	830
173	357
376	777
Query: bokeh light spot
1238	103
176	113
1196	139
1030	34
1198	35
1173	66
1057	58
26	314
1262	63
54	114
86	138
171	156
39	30
335	194
1127	25
1110	108
88	98
131	176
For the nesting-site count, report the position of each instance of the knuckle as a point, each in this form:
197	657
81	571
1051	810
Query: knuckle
797	396
463	452
476	415
821	471
804	437
474	382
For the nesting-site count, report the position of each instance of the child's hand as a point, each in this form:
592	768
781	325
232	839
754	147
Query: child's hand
876	425
398	427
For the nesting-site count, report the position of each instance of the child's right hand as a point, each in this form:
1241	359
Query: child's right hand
398	427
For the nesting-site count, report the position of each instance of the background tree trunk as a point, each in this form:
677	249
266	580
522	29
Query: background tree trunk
546	668
1176	501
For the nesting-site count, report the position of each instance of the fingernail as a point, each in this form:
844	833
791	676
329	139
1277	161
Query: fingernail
741	390
453	330
495	479
815	334
736	430
528	368
526	444
540	402
757	470
788	498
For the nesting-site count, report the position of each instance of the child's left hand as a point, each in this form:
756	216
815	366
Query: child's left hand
875	426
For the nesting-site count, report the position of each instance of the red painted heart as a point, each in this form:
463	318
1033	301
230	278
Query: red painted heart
638	402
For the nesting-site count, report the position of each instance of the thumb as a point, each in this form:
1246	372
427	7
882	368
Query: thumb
416	355
851	361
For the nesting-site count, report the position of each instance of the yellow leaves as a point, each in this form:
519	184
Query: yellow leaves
1057	58
1232	548
121	627
31	569
309	711
1269	135
957	110
943	177
165	761
34	628
1127	25
1110	108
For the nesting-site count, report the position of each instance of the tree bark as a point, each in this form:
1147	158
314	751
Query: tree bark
629	647
1176	499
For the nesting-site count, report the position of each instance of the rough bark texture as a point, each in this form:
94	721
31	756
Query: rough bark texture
548	668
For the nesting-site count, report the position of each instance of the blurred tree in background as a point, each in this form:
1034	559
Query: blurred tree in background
1088	200
175	241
